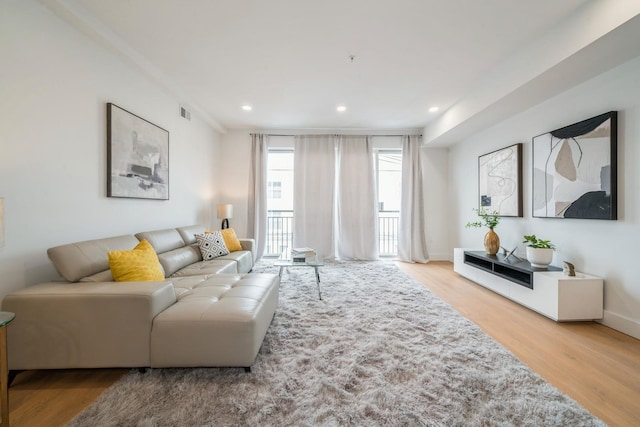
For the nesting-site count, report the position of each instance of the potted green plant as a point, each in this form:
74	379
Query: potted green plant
539	251
489	220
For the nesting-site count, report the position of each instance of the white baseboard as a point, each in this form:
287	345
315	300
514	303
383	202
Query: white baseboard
444	256
620	323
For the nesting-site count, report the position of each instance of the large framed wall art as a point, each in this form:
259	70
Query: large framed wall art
137	156
575	170
500	181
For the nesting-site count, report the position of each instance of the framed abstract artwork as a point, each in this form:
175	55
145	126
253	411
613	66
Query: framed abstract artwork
137	156
500	181
575	170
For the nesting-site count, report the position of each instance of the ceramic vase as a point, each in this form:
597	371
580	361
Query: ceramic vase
491	242
539	257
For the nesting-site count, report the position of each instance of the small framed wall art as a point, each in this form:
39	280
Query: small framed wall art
500	181
137	156
575	170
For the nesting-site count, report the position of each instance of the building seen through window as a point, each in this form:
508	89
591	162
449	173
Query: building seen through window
274	190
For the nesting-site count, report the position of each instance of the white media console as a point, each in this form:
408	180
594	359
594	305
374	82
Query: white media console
550	292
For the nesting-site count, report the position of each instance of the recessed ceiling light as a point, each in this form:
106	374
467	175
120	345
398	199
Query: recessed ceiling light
341	108
433	109
247	107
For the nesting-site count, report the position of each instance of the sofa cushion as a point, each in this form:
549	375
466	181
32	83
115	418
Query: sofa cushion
103	276
244	260
162	240
214	266
140	264
188	233
77	260
211	245
177	259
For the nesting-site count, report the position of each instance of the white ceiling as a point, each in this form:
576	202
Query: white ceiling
290	59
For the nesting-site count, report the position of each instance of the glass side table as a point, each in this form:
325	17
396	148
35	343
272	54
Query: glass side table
5	319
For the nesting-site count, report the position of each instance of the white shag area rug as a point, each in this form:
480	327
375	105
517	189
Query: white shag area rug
378	350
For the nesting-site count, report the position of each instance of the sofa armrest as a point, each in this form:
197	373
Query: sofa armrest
249	245
84	325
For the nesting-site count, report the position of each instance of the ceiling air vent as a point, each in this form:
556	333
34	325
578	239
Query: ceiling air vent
184	113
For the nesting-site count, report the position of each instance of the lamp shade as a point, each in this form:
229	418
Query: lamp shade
225	211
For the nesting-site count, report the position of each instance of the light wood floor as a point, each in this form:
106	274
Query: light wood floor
595	365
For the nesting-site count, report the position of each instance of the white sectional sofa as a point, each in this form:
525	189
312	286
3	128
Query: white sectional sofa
205	313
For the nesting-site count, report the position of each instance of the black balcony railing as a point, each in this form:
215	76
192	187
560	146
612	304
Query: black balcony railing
388	232
280	232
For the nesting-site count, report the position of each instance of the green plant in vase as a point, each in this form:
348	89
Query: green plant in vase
533	242
539	251
489	220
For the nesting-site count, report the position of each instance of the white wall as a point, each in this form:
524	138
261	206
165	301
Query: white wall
233	175
435	170
604	248
54	86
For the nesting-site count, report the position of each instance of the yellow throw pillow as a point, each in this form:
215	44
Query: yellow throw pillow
231	240
137	265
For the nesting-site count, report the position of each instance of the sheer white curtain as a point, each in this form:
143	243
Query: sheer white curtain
314	162
257	218
357	213
412	241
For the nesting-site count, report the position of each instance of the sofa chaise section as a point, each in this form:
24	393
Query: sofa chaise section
220	317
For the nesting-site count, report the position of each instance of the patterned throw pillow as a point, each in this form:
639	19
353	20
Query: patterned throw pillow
211	245
137	265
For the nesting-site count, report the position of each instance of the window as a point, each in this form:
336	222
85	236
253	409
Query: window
389	184
279	201
280	180
388	162
389	168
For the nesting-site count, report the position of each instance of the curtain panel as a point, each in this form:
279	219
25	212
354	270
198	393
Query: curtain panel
313	194
412	241
357	208
257	209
